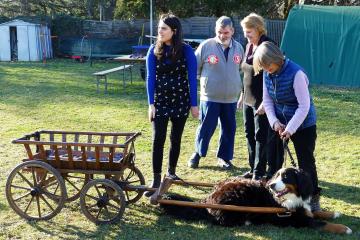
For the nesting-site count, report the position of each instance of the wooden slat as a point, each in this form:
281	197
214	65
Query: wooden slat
102	139
76	139
57	158
97	157
83	157
70	156
51	138
115	139
63	139
28	150
111	156
42	152
89	141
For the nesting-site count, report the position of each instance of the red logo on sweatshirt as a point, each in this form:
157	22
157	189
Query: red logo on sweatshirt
237	59
213	59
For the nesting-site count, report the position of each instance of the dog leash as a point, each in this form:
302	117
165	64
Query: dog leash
287	151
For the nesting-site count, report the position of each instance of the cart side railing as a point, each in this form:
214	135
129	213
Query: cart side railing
80	150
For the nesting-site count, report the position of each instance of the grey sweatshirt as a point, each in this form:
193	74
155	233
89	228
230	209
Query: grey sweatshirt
220	80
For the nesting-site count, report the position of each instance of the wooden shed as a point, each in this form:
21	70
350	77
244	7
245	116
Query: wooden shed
24	41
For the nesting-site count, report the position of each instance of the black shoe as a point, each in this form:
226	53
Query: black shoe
172	176
194	161
227	165
248	175
154	184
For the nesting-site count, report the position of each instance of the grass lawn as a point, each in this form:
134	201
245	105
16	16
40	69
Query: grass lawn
61	95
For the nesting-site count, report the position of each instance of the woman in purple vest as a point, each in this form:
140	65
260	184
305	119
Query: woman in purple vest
289	106
172	92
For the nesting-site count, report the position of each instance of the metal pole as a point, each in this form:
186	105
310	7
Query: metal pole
151	21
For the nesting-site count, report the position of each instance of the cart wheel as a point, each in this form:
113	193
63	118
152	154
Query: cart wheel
132	176
35	190
102	201
74	182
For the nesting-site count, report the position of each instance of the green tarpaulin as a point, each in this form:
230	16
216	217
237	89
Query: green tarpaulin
325	41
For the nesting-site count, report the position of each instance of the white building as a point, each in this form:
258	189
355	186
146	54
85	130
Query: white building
24	41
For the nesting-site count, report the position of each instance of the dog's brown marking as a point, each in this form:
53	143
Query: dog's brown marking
324	215
336	228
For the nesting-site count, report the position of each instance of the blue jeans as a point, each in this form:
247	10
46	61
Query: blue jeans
210	115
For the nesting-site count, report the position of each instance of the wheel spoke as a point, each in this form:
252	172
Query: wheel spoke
98	214
130	175
27	207
69	176
97	190
113	206
107	213
51	195
72	184
38	206
50	184
42	178
91	206
92	197
25	195
127	195
134	181
33	176
26	180
47	203
20	187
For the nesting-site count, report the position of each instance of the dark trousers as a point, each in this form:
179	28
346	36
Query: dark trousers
275	152
304	144
256	131
159	136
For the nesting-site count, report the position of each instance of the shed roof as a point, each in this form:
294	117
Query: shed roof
18	22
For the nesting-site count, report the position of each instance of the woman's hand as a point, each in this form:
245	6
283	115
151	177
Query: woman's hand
279	127
151	112
285	135
240	102
194	112
260	110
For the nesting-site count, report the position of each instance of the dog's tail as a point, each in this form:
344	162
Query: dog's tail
183	212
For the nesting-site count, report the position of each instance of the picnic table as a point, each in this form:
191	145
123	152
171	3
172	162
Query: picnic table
103	75
133	59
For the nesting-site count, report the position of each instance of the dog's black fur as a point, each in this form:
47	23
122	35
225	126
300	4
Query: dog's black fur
238	191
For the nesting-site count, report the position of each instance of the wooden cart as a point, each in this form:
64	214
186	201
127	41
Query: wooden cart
98	167
62	166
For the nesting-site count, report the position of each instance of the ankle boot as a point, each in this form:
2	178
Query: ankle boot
154	184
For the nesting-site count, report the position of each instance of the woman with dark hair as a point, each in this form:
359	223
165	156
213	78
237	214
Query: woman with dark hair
172	92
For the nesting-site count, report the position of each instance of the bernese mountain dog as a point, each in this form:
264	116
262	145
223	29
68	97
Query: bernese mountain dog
290	188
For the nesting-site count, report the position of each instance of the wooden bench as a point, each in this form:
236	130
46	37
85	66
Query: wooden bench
103	74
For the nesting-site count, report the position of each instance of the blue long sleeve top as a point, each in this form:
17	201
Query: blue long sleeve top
191	70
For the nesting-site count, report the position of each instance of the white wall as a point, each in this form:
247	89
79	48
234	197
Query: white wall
5	43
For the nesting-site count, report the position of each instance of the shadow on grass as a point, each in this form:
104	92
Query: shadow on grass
236	171
348	194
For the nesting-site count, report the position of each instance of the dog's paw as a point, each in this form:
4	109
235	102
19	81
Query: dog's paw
336	215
